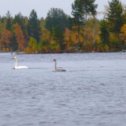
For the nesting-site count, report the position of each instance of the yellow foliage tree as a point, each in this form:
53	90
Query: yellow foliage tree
123	34
32	46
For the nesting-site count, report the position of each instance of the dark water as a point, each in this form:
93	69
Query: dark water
92	92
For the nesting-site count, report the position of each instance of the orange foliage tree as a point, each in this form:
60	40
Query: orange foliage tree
19	37
5	40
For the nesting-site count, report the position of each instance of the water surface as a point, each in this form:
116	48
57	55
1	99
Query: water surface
92	92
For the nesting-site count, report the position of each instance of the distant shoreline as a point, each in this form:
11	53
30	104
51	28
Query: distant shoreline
66	52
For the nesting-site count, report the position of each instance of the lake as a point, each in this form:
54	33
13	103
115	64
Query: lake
92	92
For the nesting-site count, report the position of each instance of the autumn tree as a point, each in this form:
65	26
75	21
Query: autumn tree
115	22
114	15
32	46
19	37
123	36
104	32
5	40
23	23
56	22
8	21
80	10
34	26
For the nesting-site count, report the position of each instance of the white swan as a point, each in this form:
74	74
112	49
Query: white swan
58	69
16	66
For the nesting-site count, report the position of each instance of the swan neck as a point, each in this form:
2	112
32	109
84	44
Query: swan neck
55	65
16	62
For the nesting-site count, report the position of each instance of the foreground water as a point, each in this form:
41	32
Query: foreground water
92	92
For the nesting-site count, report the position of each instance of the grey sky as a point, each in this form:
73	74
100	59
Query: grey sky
41	6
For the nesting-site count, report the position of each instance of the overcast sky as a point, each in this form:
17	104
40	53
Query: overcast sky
41	6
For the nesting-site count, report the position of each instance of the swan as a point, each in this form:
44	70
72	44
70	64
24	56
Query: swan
17	66
58	69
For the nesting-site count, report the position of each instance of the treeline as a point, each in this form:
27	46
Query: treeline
59	32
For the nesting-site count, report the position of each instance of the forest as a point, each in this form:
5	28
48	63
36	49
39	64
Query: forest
82	31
